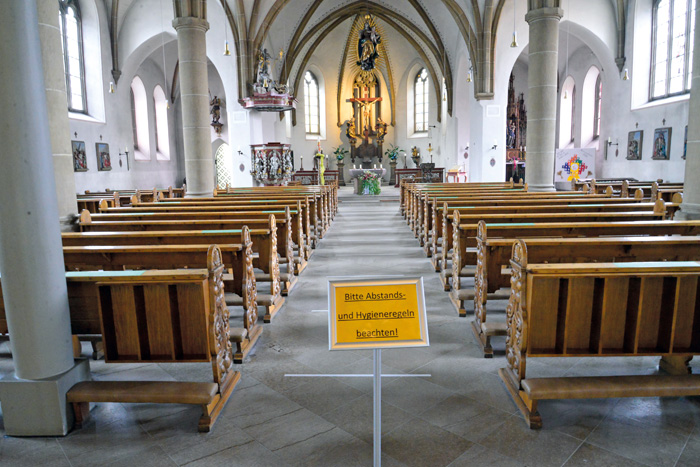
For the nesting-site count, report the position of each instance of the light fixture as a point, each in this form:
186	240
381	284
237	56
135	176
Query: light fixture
227	52
566	94
469	75
514	42
111	87
625	75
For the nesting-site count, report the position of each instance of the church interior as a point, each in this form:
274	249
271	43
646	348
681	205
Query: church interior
185	183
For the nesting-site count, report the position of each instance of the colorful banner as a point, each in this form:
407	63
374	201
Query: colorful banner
574	164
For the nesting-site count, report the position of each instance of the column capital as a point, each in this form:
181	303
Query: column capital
190	22
544	13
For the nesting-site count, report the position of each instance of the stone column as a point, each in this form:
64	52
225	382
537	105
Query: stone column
543	17
57	104
191	25
31	256
690	208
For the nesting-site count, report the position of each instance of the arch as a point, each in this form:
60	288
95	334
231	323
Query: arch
589	104
139	115
162	134
566	112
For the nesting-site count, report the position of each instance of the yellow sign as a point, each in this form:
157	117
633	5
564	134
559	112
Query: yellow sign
378	313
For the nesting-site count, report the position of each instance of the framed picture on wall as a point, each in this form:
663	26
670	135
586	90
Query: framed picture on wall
685	142
79	156
634	145
103	160
662	144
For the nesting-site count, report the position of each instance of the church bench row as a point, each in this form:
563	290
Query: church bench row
442	215
274	238
600	310
444	234
319	206
163	316
494	254
407	187
299	216
93	200
465	229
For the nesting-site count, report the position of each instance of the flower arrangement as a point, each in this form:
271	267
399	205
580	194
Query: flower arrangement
340	153
392	153
370	183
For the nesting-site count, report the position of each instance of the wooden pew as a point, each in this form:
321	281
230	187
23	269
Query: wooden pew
443	214
300	225
166	316
466	235
535	218
493	255
238	258
600	310
281	226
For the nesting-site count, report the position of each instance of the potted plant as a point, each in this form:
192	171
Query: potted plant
392	153
340	153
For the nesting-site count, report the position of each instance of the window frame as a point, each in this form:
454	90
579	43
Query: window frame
688	51
161	108
307	104
424	83
63	7
597	107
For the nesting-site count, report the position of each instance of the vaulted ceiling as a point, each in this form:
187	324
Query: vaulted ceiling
439	29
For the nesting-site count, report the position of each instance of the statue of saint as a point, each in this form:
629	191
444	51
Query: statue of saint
367	47
264	78
351	129
215	111
510	135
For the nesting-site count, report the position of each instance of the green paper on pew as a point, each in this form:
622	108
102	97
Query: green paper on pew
582	205
507	224
668	264
104	273
221	231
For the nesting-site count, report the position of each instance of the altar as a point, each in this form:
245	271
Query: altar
356	175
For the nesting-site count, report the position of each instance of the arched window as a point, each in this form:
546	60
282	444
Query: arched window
162	138
598	106
70	27
567	110
672	47
421	102
311	108
139	118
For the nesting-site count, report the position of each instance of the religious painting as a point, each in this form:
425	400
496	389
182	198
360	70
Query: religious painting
103	160
634	145
662	144
685	142
79	156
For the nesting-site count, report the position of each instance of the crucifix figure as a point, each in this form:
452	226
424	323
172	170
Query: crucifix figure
364	104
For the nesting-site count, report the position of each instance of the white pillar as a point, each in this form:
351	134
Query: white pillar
31	255
543	18
57	104
194	91
690	208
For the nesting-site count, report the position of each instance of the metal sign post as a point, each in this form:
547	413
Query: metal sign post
377	407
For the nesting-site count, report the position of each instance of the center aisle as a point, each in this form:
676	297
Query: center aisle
328	421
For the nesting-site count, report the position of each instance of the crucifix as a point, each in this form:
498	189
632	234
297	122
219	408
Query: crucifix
364	104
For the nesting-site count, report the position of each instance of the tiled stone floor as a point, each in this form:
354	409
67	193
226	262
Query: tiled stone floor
460	415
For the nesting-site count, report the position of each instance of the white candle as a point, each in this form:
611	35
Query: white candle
375	166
